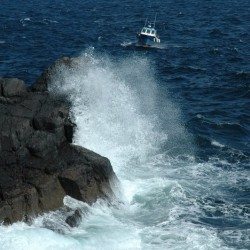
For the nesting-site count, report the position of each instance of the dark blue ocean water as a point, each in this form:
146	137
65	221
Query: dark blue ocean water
202	69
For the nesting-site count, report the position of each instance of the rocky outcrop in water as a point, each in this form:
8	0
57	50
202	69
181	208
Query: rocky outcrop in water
38	163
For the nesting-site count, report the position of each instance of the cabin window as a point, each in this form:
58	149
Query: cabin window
148	31
152	32
144	30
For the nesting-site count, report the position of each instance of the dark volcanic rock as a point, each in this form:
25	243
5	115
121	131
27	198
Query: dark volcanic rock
75	219
38	163
12	87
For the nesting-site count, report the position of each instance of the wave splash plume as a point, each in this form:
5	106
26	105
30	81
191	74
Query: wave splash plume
122	114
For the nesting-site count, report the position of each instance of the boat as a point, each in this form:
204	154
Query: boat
148	36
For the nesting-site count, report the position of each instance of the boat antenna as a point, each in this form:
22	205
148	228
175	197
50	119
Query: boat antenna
146	21
155	19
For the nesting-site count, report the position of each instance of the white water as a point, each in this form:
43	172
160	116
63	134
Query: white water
120	114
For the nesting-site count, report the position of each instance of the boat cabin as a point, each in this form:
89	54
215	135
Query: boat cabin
148	31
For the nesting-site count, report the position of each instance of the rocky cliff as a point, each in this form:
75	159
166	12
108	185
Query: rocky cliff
38	163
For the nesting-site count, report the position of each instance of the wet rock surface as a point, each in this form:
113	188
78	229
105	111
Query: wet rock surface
38	163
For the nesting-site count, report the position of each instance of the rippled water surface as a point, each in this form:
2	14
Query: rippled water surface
173	120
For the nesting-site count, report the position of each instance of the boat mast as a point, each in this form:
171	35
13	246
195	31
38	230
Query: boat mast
155	20
146	22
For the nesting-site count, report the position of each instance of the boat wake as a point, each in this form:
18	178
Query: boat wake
135	45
